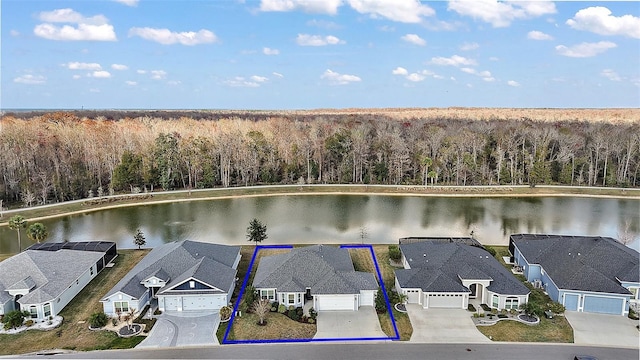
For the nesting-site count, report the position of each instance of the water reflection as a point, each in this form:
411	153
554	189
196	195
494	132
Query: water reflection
341	218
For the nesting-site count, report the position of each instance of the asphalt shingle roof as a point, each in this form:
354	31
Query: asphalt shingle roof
587	263
173	261
438	266
324	269
48	273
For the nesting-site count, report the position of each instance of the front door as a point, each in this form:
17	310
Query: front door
307	295
473	289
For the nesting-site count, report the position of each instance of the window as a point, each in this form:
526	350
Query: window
292	298
91	270
299	297
121	306
511	303
192	284
495	301
47	309
34	312
268	294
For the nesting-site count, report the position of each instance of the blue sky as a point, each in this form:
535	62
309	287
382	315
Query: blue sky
307	54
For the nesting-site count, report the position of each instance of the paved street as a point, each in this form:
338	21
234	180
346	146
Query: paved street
443	326
183	329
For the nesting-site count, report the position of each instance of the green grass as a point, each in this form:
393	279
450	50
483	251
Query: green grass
278	327
556	330
72	334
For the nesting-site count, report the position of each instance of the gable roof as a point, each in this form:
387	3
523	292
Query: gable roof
437	266
178	261
323	269
588	263
46	273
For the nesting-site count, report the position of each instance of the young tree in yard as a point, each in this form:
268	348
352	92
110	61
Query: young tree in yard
381	304
37	232
139	239
261	308
14	319
16	223
256	232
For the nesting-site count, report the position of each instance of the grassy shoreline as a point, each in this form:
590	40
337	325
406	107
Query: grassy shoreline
90	205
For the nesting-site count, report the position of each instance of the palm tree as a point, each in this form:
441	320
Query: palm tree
37	232
16	223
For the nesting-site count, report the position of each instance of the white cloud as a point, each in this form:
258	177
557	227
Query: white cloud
141	71
240	81
269	51
277	74
309	6
414	39
501	14
131	83
455	60
598	19
611	75
317	40
83	66
335	78
14	33
485	75
406	11
387	28
259	79
158	74
102	74
168	37
469	70
513	83
95	28
400	71
469	46
489	79
538	35
119	67
128	2
585	49
329	25
415	77
30	79
76	77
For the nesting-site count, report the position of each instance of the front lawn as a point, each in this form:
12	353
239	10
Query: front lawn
557	330
72	334
278	326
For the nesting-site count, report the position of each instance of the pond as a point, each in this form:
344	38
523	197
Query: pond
375	219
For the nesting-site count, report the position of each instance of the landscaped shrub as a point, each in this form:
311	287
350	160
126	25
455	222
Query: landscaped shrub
475	315
282	308
291	307
249	298
157	312
471	308
381	304
299	311
633	314
394	253
28	323
98	320
14	319
225	312
293	315
313	314
555	307
393	296
311	321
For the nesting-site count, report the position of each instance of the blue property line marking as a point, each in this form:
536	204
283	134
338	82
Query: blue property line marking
225	340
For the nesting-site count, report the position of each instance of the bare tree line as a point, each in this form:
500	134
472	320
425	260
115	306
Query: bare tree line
58	156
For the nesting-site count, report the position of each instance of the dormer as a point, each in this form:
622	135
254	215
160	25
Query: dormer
21	287
158	279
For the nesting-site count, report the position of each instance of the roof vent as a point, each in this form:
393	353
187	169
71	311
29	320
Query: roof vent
424	255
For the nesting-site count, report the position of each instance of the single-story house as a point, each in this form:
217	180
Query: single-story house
584	273
447	273
177	276
320	273
44	278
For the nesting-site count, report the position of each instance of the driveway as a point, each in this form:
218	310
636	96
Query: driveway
443	326
183	329
363	323
600	329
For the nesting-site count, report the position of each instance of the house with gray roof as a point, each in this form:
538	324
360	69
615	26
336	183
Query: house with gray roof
448	272
321	274
177	276
44	280
584	273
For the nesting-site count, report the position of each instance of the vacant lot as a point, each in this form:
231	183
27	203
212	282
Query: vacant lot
557	330
278	326
72	334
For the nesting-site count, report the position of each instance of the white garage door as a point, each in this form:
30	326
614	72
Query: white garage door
413	296
171	303
450	301
336	302
202	302
367	297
